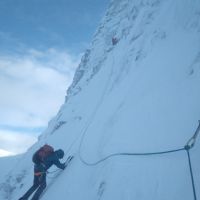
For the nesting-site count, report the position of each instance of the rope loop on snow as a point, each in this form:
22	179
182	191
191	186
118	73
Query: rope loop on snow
186	148
129	154
190	144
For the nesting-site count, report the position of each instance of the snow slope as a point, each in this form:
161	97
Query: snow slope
140	95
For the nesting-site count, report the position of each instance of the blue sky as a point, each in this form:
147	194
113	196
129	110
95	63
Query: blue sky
45	24
41	43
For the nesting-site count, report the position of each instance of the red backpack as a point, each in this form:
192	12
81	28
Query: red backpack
40	155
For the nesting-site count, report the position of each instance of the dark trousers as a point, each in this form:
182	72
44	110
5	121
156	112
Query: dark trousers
39	184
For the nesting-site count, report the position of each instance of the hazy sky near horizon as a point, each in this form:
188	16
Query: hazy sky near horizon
41	43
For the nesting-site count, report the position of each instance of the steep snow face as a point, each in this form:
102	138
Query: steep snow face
139	95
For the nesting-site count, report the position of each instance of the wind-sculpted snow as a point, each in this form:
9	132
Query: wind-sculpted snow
139	95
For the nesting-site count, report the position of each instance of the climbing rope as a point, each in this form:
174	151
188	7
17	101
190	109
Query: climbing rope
83	132
129	154
191	174
190	144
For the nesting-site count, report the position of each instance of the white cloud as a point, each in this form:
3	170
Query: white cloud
4	153
33	86
14	142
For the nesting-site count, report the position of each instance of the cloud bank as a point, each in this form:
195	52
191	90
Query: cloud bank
32	88
15	143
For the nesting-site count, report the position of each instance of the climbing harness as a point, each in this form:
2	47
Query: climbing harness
38	173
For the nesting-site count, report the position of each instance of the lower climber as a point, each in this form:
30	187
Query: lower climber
43	159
